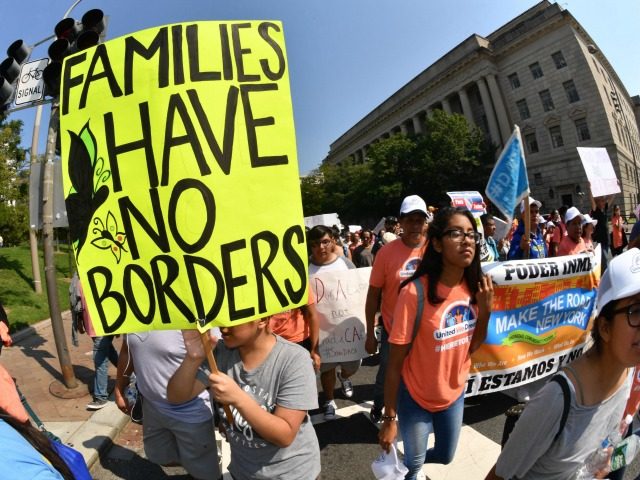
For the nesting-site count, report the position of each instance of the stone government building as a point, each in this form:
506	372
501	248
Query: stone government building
541	71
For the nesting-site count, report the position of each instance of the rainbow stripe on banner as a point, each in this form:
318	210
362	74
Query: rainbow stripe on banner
542	314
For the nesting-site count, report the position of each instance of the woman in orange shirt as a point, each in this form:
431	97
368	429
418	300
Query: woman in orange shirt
618	236
426	375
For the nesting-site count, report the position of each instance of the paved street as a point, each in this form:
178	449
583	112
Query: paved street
348	445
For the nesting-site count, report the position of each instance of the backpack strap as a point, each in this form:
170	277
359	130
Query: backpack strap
420	293
566	393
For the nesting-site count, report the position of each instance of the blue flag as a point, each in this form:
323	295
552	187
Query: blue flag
508	183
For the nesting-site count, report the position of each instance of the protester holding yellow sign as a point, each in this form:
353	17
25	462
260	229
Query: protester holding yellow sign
269	383
172	138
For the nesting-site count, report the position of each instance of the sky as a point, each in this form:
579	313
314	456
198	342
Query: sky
345	57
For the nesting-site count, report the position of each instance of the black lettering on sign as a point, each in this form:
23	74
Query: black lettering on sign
159	46
227	63
144	143
223	156
176	105
100	54
164	289
296	262
106	294
178	65
157	235
239	52
133	297
190	263
263	30
68	82
195	74
232	282
261	268
252	123
209	211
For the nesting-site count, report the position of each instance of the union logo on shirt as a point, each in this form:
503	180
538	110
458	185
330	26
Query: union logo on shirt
457	319
409	267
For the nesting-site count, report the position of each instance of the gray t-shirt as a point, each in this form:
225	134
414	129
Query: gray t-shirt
156	356
531	453
285	378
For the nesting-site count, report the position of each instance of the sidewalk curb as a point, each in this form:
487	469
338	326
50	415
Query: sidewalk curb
25	333
95	435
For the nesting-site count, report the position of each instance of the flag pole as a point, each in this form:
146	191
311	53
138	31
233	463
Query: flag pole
527	227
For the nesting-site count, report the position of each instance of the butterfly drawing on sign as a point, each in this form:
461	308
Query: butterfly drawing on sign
109	238
86	172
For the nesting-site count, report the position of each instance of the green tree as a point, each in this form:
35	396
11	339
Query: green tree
14	191
450	156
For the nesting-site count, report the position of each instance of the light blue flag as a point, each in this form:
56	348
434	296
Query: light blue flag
508	183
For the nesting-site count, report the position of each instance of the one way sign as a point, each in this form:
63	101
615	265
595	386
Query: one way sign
31	83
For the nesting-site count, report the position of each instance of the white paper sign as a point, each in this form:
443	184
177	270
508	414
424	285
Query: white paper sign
599	170
502	228
327	219
340	299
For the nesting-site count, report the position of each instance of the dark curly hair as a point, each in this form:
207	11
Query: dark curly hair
431	264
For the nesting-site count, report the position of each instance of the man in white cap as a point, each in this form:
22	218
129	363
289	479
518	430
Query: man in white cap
572	243
535	244
394	262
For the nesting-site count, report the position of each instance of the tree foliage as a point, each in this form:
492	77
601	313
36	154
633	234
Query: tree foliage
450	156
14	184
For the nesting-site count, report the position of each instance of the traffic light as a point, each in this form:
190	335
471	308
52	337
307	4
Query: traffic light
18	52
72	37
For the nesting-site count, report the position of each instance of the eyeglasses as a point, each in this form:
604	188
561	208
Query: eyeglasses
324	243
633	314
459	236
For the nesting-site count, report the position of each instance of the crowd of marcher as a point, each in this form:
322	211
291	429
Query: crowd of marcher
425	273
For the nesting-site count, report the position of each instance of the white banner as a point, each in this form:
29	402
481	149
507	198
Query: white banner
340	299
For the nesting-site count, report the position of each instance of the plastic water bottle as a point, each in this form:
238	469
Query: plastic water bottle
131	393
599	459
625	452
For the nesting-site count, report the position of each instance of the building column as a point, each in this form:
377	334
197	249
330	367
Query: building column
429	112
466	106
417	124
488	110
445	105
501	111
403	129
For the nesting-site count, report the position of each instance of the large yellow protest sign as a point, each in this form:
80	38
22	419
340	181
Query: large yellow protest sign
181	176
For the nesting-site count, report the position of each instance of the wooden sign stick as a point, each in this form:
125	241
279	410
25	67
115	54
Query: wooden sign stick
206	344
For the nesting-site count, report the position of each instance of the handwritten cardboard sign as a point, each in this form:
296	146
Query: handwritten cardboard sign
340	299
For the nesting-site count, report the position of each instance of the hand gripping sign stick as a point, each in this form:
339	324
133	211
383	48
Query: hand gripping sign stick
213	366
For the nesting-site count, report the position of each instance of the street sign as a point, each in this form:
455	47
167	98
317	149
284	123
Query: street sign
31	83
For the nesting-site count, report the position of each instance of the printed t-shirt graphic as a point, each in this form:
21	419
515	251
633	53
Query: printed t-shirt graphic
436	368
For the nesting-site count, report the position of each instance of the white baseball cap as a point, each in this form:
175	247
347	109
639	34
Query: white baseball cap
621	279
532	201
411	204
587	219
550	224
572	213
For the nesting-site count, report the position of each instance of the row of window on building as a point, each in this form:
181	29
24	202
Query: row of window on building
547	101
536	69
555	135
